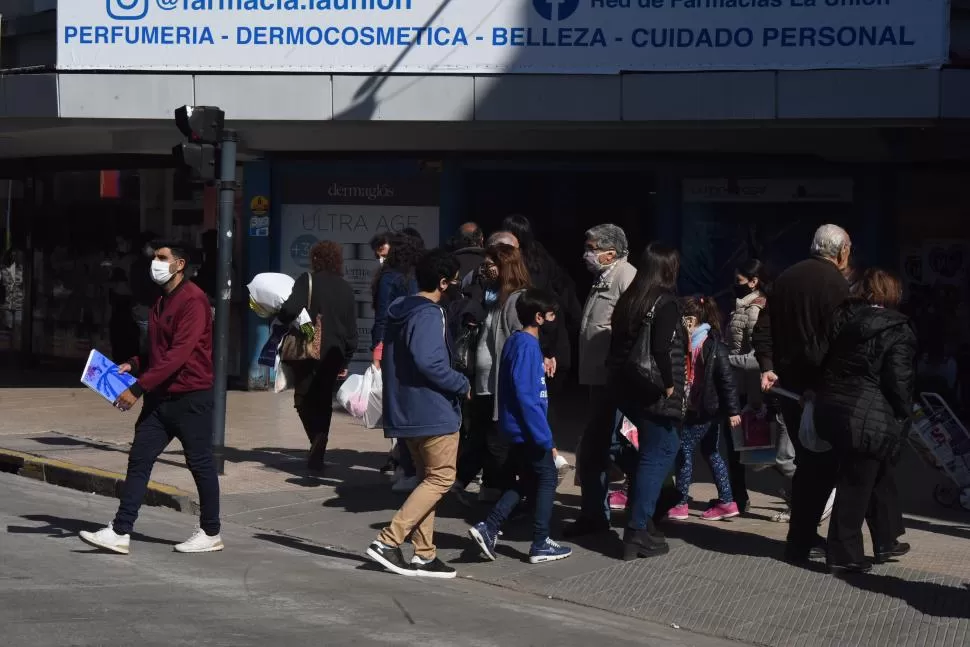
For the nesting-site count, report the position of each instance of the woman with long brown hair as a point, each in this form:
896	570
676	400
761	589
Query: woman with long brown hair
324	293
503	277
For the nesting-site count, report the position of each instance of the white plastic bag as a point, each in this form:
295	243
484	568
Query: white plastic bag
268	292
351	397
373	415
361	396
284	373
806	431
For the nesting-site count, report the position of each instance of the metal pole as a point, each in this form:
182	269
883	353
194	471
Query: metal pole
227	202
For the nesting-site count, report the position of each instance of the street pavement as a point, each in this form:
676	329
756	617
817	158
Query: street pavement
723	579
55	591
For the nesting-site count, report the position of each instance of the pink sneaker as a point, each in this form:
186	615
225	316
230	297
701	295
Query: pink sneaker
618	499
679	512
720	511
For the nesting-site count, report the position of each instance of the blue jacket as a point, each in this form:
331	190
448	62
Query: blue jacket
390	286
422	392
523	403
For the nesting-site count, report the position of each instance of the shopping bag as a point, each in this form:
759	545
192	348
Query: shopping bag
806	431
373	414
285	378
268	292
351	396
629	431
756	430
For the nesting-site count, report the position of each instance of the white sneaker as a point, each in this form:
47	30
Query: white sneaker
827	512
107	539
200	542
406	484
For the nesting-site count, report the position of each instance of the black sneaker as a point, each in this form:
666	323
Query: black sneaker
391	558
436	569
389	467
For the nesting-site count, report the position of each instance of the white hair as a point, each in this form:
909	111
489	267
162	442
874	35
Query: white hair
829	241
609	236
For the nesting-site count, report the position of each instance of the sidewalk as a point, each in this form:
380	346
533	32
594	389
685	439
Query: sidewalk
725	579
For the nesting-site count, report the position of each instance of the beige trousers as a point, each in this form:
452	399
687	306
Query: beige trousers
435	461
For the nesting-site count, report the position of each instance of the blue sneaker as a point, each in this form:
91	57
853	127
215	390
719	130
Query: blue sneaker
486	538
548	552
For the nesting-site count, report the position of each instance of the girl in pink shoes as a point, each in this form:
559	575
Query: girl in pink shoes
712	396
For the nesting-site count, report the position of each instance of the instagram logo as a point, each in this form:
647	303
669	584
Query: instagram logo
127	9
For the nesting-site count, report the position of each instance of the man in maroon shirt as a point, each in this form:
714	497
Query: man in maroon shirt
176	379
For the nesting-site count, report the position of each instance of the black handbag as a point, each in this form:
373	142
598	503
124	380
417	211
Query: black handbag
640	367
463	359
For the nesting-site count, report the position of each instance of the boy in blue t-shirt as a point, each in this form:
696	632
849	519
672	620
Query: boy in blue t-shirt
522	417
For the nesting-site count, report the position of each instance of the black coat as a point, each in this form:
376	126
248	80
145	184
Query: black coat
668	366
868	380
720	397
333	299
791	336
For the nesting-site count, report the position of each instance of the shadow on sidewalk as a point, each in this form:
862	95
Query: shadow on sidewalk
344	466
63	527
929	598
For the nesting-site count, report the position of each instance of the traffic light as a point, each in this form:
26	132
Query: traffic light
202	126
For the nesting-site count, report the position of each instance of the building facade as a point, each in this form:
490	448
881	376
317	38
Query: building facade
728	127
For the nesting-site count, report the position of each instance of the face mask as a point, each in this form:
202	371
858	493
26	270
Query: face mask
382	259
161	272
491	297
593	262
742	290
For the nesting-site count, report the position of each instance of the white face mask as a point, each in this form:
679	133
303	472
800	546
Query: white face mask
382	259
593	263
161	272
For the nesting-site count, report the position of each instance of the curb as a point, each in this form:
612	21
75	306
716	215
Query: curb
90	479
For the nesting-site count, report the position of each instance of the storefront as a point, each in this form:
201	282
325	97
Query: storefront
75	231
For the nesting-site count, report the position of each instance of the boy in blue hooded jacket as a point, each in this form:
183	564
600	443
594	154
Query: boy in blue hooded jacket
422	407
523	408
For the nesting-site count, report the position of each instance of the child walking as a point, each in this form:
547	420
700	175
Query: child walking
712	395
522	418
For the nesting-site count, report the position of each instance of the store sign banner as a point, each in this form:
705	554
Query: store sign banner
784	190
350	211
499	36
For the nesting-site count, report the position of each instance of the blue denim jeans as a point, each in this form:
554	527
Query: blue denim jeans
537	478
659	444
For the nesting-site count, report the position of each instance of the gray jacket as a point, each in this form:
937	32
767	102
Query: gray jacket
740	330
595	329
504	323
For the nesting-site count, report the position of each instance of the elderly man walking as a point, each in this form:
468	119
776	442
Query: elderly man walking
790	343
606	257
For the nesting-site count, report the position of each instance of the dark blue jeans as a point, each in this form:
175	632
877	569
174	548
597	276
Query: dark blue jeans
537	478
188	417
659	444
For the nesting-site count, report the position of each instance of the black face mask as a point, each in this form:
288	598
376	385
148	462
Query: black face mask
742	290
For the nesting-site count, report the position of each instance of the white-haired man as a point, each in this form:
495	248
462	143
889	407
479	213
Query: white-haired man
790	342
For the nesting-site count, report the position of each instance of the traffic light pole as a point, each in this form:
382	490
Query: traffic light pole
227	203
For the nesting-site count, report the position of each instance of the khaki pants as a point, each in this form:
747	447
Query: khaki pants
435	461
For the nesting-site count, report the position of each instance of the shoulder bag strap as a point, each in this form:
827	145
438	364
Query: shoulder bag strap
309	292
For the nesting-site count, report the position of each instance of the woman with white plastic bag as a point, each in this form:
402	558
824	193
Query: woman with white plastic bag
322	296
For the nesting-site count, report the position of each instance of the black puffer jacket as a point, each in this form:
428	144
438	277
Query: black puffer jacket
720	396
868	380
668	364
